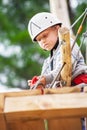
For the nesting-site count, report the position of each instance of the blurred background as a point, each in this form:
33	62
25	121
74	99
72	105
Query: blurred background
20	58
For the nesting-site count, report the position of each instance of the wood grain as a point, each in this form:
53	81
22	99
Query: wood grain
64	37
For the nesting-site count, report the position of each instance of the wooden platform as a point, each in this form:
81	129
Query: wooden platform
25	111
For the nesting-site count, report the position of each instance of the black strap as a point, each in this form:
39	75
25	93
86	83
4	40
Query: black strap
51	64
51	53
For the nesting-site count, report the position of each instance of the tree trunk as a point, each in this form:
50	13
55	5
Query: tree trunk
60	9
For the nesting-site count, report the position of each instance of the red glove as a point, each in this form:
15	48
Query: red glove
34	79
40	85
32	82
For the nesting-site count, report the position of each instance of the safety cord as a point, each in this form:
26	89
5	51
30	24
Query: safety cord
85	35
78	32
57	76
76	59
86	48
86	42
78	19
80	27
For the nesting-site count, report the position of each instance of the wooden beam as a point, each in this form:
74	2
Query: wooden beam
64	37
64	124
22	111
46	106
2	118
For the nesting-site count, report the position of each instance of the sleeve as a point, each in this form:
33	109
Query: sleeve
47	72
78	64
50	75
77	55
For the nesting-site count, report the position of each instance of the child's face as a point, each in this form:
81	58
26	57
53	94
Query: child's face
48	38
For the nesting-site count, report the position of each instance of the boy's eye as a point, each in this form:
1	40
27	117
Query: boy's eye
44	36
38	39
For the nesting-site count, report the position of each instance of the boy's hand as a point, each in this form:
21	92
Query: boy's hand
32	82
43	81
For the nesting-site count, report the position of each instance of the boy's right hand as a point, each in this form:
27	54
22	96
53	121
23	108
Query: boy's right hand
32	82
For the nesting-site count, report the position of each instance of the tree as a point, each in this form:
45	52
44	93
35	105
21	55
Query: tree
60	9
19	57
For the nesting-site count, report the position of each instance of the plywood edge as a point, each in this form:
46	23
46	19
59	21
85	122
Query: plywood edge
2	116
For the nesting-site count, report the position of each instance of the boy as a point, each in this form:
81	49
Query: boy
43	28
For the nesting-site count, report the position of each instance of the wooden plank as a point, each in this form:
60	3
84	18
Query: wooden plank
26	112
2	119
46	106
85	89
34	125
65	124
27	125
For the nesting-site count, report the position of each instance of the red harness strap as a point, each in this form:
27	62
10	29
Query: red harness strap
82	78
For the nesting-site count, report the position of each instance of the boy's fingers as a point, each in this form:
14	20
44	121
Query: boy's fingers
29	81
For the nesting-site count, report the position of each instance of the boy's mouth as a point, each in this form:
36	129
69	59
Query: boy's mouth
46	46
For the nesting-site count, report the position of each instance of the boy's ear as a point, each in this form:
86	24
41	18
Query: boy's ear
57	26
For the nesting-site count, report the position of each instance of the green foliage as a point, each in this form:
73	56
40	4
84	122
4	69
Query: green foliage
76	13
20	59
25	58
80	9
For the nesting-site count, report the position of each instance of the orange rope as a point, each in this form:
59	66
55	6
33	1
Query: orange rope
80	29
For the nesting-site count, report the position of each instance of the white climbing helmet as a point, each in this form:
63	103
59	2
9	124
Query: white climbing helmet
40	22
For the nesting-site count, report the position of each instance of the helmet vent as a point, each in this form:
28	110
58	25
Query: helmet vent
46	17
